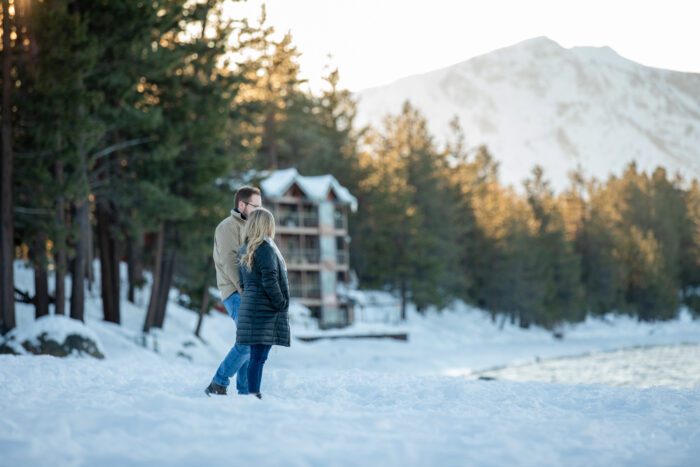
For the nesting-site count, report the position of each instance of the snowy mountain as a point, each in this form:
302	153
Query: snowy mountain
537	102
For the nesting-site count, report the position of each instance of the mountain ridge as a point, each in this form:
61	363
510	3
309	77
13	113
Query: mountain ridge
536	102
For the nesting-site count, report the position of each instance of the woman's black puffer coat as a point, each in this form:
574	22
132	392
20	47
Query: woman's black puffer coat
263	317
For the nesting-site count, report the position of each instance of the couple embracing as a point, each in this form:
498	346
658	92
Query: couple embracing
252	277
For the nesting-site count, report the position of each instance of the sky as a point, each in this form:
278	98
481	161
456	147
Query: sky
375	42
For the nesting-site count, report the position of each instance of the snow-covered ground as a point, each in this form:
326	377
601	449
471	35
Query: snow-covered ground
359	402
676	366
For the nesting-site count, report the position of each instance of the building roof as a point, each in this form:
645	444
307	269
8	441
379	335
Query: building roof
315	188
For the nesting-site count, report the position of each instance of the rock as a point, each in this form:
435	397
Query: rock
43	345
184	355
6	349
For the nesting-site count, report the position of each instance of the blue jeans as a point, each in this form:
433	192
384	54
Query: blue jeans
237	359
258	355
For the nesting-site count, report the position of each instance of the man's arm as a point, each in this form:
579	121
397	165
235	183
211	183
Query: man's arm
228	245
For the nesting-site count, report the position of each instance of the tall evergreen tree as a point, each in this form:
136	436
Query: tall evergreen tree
53	63
560	265
7	303
690	250
278	109
196	98
407	238
602	274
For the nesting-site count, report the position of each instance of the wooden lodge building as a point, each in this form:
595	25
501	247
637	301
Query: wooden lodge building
311	216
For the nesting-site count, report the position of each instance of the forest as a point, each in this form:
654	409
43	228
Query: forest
126	125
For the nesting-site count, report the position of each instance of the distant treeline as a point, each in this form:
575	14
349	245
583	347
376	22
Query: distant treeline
128	119
436	224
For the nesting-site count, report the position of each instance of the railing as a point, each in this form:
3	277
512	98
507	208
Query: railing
309	219
286	217
343	257
304	291
295	219
301	255
341	222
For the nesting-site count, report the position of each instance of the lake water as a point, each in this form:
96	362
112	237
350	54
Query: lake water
670	366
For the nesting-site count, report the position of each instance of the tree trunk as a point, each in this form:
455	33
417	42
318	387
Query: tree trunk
206	298
41	278
89	258
60	246
134	258
82	220
403	299
203	308
109	262
7	295
270	127
168	271
77	297
155	287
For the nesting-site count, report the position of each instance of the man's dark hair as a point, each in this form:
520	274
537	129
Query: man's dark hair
244	194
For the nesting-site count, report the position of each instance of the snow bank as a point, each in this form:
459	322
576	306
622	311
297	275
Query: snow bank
56	335
54	327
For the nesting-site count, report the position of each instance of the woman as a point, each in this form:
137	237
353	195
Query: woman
263	319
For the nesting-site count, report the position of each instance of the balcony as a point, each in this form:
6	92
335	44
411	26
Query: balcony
287	218
343	257
301	255
340	221
297	290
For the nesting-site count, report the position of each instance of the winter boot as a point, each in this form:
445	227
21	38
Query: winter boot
214	388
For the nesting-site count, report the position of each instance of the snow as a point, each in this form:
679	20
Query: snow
639	367
539	103
55	328
112	413
316	187
279	181
356	402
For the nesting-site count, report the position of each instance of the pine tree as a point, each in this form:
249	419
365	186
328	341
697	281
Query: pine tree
196	98
560	265
387	218
602	274
406	237
7	303
487	254
327	127
53	60
272	95
690	249
129	57
643	244
456	174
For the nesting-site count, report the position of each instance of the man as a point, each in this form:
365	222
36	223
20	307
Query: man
227	241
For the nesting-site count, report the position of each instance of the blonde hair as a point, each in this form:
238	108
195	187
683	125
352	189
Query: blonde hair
260	225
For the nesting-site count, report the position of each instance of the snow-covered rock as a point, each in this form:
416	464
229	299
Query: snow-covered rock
54	335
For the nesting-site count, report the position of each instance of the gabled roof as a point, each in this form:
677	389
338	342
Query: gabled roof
315	188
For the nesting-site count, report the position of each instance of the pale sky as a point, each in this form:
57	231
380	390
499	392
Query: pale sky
375	42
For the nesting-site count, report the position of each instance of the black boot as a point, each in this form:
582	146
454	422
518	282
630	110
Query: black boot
214	388
258	395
